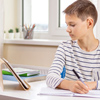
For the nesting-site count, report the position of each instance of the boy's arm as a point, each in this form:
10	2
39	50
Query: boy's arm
53	78
93	85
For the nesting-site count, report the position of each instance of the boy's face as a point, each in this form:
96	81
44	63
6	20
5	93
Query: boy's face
76	28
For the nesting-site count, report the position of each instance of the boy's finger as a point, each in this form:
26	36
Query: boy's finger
79	91
83	86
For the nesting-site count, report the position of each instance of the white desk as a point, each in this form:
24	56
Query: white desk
13	91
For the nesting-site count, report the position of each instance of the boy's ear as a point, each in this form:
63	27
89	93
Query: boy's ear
90	22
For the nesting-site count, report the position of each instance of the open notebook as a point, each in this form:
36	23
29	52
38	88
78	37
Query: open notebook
60	92
22	82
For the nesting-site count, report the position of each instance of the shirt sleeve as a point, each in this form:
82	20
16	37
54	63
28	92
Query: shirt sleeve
53	78
96	77
98	85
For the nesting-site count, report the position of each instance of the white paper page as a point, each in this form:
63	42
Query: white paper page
60	92
91	93
56	92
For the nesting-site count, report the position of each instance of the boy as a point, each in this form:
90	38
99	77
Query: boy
81	53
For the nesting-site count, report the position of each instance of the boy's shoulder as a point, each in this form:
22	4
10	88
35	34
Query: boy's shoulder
68	44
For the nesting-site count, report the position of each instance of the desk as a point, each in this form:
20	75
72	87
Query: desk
15	92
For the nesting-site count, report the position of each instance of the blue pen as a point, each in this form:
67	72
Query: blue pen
79	77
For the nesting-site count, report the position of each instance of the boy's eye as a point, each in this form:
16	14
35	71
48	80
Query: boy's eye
72	25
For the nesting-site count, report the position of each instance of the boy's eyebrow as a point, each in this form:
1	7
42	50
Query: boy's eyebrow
70	22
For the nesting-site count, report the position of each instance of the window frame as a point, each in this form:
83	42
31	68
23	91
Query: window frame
53	20
54	31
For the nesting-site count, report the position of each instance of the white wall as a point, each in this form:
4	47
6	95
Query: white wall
11	14
29	54
1	26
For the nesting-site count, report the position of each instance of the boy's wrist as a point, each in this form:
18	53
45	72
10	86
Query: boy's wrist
95	85
92	85
70	84
65	84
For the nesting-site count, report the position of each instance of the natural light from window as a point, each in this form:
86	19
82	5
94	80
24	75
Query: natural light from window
63	5
36	12
40	14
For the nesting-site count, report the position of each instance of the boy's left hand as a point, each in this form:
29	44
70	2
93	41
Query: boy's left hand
91	85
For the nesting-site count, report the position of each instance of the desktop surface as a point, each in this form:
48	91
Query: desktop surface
13	90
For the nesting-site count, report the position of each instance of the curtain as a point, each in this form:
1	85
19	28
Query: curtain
1	26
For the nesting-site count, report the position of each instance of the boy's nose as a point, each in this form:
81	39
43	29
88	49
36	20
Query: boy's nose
68	29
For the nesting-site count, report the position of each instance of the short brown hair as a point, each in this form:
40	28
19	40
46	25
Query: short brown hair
83	9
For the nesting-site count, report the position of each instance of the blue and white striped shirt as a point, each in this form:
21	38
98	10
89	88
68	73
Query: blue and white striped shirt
70	55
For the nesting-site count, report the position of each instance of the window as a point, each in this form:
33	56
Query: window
45	16
62	5
36	12
48	16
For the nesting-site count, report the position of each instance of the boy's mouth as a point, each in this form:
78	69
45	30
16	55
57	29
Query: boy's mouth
71	35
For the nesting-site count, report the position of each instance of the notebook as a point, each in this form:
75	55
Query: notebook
38	77
60	92
21	72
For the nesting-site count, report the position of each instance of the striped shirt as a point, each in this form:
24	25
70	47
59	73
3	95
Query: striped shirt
70	55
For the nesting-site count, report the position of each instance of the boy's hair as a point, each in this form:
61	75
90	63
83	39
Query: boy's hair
83	9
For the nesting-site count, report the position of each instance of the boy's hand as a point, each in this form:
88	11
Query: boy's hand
91	85
78	87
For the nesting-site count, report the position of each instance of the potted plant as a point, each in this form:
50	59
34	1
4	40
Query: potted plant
17	33
11	34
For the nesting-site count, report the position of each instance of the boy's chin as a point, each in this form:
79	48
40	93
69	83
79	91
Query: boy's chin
73	39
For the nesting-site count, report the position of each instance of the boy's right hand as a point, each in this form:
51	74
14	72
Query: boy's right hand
78	87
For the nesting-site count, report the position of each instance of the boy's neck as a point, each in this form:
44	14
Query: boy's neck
89	44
